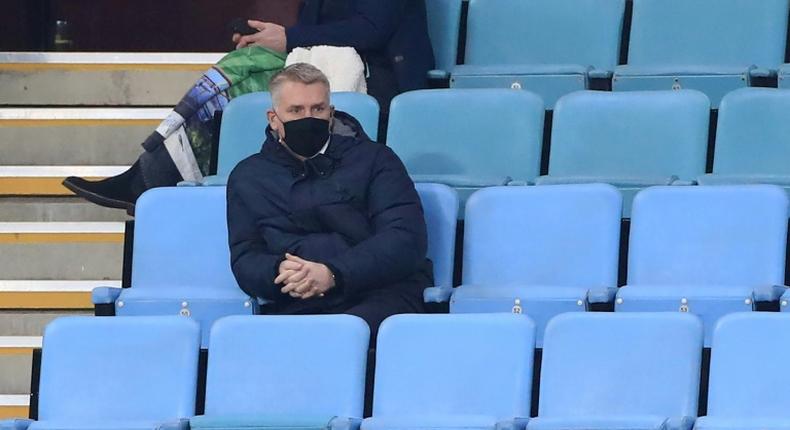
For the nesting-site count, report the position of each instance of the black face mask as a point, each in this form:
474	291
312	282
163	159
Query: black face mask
306	136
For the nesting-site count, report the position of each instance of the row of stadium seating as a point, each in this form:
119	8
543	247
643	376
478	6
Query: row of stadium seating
708	250
469	139
555	47
598	371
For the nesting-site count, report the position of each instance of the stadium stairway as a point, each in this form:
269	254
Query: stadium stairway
64	114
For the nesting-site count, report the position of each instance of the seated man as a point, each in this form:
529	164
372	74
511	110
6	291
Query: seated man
322	220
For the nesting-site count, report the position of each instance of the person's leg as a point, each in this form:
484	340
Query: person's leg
383	86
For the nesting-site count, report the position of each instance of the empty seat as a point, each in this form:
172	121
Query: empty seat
441	139
620	371
550	47
244	123
440	205
714	46
180	259
630	140
305	372
444	24
748	384
453	371
116	373
539	250
752	138
706	250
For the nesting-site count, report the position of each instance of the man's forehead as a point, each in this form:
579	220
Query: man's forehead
299	94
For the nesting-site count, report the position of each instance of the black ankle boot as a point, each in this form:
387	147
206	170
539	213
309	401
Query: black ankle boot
119	191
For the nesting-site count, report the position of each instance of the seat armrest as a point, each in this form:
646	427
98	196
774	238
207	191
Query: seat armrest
437	294
438	74
215	180
681	423
600	74
761	72
769	293
188	184
514	424
344	423
182	424
601	295
15	424
682	182
105	295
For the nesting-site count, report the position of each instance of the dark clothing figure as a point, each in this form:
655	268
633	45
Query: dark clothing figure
353	208
390	35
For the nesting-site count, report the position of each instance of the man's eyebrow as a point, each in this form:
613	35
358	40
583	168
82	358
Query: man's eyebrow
322	104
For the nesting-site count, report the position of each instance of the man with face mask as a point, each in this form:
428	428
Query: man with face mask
323	220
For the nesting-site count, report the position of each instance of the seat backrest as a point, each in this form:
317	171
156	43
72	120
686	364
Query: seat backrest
454	364
244	123
444	24
440	205
181	240
621	364
708	33
753	134
582	32
708	235
747	380
287	365
475	134
564	235
92	370
630	134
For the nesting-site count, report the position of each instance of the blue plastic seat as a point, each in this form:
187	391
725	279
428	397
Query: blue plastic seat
784	76
468	139
277	372
752	139
453	372
244	123
539	250
635	371
440	205
116	374
631	140
180	259
550	47
748	384
706	250
444	25
714	46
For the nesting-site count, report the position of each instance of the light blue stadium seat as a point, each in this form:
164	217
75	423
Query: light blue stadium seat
539	250
748	381
116	374
635	371
631	140
752	139
453	372
440	205
444	24
244	123
550	47
706	250
784	76
275	372
714	46
180	259
468	139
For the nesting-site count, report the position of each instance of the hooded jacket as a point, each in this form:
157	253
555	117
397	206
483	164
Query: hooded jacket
353	208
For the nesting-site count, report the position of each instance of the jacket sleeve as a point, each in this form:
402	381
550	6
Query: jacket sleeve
369	28
254	267
399	242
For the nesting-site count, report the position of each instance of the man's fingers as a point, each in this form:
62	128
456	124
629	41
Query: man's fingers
283	276
295	276
302	286
245	40
236	37
258	25
290	265
292	257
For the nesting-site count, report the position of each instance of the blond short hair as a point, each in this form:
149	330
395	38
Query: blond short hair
303	73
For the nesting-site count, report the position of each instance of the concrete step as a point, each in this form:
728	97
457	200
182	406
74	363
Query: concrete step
61	250
99	79
75	136
24	294
63	209
14	406
47	180
16	355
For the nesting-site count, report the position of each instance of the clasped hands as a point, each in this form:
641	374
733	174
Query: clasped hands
303	279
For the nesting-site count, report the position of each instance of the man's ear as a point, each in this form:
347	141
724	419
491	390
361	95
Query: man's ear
270	115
